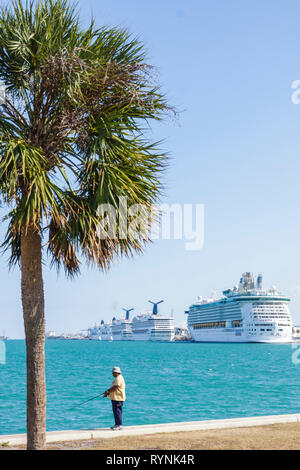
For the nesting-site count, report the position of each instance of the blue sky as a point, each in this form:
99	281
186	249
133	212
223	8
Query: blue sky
228	65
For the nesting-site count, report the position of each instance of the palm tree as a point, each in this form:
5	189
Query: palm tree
72	137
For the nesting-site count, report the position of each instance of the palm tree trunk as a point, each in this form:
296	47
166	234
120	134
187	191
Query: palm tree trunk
34	322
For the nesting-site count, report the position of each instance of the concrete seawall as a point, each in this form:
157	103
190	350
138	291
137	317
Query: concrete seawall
106	433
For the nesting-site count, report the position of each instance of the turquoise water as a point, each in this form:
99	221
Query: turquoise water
165	382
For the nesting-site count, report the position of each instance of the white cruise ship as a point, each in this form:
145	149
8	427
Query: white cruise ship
94	333
106	331
246	313
152	326
100	332
121	328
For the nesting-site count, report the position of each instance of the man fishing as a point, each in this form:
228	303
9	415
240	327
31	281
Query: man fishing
117	395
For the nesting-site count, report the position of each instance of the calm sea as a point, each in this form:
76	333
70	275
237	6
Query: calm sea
165	382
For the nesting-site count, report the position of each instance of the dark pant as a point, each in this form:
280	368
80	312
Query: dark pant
117	407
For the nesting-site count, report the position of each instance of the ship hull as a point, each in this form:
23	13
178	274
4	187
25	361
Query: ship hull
141	336
155	336
95	337
117	337
127	336
226	336
106	337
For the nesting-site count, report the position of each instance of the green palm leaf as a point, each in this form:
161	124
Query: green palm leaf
76	104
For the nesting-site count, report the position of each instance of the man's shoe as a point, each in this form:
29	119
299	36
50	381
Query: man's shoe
116	428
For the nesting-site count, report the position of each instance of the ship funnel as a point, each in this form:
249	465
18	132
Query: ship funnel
114	319
102	322
259	281
127	312
155	304
247	280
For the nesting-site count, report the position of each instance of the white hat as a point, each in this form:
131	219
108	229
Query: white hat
117	370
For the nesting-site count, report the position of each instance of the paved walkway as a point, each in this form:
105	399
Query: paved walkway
106	433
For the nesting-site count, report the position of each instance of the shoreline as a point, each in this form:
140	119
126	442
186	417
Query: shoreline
152	429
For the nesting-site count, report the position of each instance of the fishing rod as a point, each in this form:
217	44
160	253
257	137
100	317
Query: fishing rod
90	399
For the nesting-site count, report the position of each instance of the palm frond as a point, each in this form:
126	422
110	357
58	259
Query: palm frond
72	132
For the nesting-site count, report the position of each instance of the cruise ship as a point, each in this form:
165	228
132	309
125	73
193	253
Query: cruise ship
105	331
121	328
152	326
246	313
94	332
100	332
